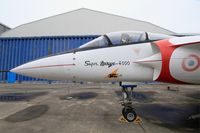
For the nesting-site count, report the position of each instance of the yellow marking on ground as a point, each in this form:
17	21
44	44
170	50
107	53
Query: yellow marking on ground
138	120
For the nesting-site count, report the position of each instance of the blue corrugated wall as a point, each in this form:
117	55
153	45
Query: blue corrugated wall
16	51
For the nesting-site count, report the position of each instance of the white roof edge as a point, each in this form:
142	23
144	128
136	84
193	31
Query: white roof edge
5	25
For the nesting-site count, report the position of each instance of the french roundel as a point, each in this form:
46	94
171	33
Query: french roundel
191	63
185	64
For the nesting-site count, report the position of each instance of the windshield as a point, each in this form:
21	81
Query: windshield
98	42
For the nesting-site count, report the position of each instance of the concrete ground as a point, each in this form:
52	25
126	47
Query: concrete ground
95	108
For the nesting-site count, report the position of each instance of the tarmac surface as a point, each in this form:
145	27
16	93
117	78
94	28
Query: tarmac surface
95	108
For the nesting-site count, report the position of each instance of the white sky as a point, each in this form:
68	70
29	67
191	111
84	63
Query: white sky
182	16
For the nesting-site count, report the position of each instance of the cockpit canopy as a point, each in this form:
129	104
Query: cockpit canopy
126	37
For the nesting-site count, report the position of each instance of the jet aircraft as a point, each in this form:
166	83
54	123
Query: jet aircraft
125	56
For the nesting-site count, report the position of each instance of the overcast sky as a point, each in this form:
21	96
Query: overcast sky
182	16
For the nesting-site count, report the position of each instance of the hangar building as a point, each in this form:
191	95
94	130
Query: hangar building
58	34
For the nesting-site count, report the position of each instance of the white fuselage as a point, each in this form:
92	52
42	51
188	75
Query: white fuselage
94	65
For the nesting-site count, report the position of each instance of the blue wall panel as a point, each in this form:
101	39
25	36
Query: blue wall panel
16	51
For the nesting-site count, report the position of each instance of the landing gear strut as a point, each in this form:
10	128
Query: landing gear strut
128	111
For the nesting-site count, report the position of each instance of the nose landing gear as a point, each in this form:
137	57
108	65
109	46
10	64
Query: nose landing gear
128	111
129	114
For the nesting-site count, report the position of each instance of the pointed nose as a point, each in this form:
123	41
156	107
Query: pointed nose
16	70
55	67
25	69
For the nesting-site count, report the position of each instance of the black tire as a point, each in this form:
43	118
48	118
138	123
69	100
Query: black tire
130	115
123	112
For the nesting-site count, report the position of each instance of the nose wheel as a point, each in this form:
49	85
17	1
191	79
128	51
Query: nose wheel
128	111
129	114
